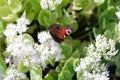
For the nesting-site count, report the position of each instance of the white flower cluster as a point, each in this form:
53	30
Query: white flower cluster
14	74
90	66
13	29
105	47
48	49
49	4
25	51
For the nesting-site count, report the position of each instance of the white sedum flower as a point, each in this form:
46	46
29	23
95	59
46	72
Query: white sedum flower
23	52
44	4
105	47
19	27
22	23
90	66
23	49
49	4
118	14
44	36
12	30
48	49
14	74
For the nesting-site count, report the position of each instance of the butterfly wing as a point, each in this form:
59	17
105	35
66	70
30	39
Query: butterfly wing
58	32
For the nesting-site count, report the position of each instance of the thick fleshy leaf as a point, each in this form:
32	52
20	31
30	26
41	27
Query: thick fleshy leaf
5	11
118	71
23	68
10	18
43	17
66	49
52	75
67	70
3	66
106	17
36	73
99	2
29	37
15	5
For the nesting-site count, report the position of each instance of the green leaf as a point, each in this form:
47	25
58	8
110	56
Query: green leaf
53	18
52	75
106	17
43	18
76	62
67	70
65	2
29	37
74	26
66	49
2	27
79	75
76	54
118	71
10	18
67	18
23	68
58	11
5	11
117	60
76	44
15	6
35	3
108	34
110	30
99	2
36	73
96	31
3	66
30	14
3	3
52	62
59	68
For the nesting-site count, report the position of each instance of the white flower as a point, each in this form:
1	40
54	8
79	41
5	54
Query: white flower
105	47
10	30
14	74
44	4
48	49
22	23
95	75
90	66
118	14
23	52
9	2
49	4
44	36
58	1
13	29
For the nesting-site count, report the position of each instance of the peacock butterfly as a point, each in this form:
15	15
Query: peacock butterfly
59	32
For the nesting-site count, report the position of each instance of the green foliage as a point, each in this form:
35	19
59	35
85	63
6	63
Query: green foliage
47	18
36	73
9	10
67	70
3	66
52	75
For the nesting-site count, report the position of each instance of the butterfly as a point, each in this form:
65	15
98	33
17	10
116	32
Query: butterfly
59	32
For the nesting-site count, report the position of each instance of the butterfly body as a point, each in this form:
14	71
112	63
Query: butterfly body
59	32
